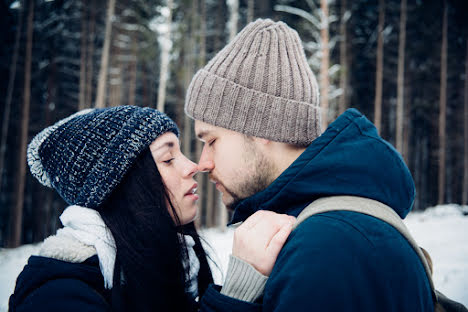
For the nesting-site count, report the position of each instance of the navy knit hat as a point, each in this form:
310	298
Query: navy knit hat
85	156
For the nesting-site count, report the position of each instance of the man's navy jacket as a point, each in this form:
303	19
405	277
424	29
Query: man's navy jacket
341	261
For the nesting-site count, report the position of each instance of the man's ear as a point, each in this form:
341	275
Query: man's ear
262	141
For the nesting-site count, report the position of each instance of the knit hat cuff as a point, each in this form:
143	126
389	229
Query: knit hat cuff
221	102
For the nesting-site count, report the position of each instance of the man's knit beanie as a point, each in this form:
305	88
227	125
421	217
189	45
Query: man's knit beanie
261	85
85	156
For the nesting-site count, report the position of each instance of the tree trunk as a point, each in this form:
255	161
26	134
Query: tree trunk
220	26
343	102
204	186
11	84
165	49
145	86
426	152
90	58
232	26
325	63
133	73
202	178
401	79
207	186
233	17
190	50
49	117
116	66
407	125
17	213
465	176
84	34
443	108
265	9
379	68
417	172
102	83
202	21
250	10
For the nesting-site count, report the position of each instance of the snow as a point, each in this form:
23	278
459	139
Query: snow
15	5
442	231
12	262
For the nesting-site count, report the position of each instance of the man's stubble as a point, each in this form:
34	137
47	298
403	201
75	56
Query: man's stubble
256	175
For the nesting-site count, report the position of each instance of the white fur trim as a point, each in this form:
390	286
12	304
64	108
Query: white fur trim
34	161
66	248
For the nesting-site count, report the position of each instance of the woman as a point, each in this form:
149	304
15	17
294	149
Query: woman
128	241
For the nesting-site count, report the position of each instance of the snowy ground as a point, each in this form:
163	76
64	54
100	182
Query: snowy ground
442	231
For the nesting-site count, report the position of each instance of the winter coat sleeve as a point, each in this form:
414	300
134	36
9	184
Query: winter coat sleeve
61	295
243	281
214	301
243	287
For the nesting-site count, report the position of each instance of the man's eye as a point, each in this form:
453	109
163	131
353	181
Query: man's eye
211	142
168	161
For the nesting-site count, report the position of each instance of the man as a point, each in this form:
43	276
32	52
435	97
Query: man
256	108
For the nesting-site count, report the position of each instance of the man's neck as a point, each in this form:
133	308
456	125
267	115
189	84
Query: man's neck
283	155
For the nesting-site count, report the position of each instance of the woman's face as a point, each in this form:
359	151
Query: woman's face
177	172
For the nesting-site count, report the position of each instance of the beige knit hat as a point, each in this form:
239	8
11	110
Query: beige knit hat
261	85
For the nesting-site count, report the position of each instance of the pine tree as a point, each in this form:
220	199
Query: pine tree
443	107
17	213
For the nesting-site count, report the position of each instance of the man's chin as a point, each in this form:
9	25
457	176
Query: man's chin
231	204
228	203
228	198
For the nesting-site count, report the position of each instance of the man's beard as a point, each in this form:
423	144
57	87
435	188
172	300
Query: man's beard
261	178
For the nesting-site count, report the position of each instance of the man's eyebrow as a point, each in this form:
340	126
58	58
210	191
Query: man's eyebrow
202	133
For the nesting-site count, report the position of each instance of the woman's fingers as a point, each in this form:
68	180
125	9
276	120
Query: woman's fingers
260	238
277	242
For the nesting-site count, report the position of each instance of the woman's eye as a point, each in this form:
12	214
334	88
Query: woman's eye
211	142
168	161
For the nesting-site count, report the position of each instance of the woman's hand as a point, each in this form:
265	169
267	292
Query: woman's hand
259	239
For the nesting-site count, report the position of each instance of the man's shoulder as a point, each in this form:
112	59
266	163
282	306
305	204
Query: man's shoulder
346	253
348	246
336	227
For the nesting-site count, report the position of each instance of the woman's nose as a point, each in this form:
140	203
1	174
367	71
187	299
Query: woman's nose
191	169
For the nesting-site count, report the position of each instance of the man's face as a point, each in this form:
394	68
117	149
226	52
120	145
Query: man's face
235	162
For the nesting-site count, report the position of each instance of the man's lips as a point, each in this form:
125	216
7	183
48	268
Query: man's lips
219	186
214	180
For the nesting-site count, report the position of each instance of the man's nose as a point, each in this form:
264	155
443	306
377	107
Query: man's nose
205	164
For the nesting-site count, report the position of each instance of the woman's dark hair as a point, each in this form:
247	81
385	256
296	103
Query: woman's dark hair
149	274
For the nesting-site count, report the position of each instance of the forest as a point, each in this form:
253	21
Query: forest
403	63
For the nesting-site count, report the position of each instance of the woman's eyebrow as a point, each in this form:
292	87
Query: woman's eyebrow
165	145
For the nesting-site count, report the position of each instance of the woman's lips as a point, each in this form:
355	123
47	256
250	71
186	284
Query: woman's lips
191	193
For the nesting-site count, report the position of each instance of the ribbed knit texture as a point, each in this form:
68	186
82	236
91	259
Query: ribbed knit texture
85	156
260	84
243	282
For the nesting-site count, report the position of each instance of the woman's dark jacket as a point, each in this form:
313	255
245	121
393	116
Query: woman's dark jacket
48	284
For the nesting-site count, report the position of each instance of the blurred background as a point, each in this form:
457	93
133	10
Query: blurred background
403	63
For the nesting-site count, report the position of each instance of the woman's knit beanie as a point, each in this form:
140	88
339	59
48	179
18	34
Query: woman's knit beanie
260	84
85	156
